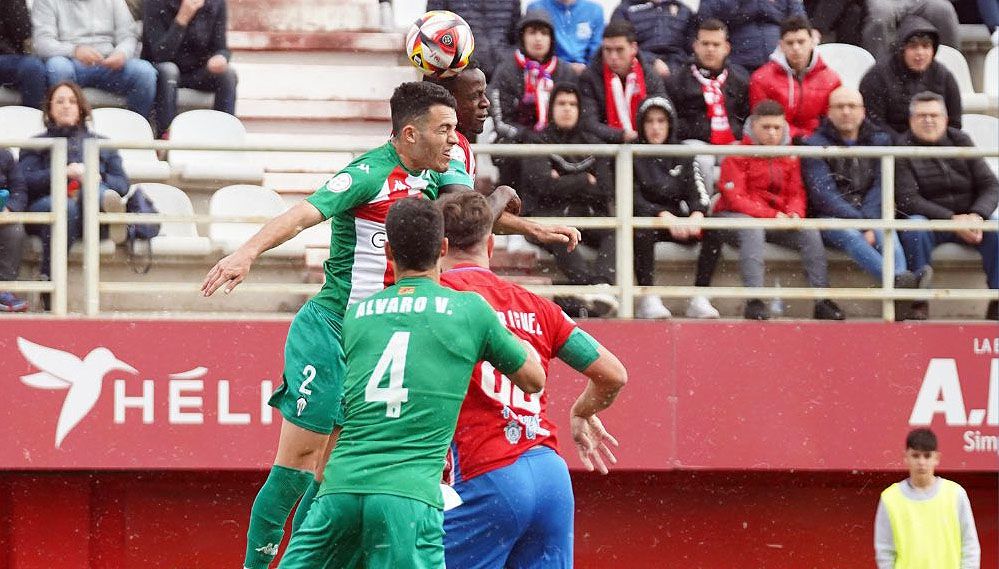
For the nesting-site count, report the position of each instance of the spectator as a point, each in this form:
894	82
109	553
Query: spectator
989	12
187	43
770	188
520	91
614	84
850	188
883	17
754	26
945	188
797	78
667	187
841	20
664	28
93	45
575	186
66	112
889	86
579	25
11	234
493	23
25	72
711	96
925	520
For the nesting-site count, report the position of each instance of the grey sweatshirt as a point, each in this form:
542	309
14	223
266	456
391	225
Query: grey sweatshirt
61	25
884	539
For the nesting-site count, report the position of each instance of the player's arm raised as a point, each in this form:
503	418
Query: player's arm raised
233	268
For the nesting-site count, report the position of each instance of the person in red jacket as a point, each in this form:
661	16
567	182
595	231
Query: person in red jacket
769	188
796	77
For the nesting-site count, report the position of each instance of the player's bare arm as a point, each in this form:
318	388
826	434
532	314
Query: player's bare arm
530	377
607	377
233	268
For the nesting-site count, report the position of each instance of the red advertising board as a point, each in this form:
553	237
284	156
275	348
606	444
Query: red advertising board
169	394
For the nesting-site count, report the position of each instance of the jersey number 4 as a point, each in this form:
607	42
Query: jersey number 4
393	361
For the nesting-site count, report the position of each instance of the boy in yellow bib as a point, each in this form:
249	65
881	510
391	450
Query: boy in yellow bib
925	522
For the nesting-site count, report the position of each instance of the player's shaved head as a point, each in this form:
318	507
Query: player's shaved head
415	231
411	102
468	220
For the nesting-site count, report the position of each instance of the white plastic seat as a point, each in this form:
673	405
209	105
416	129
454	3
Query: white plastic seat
984	132
9	96
175	237
954	61
20	122
990	77
849	61
247	199
212	127
122	124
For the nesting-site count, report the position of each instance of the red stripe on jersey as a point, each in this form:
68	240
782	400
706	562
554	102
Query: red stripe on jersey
466	148
377	210
498	422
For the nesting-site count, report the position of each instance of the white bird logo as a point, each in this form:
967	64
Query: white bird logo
62	370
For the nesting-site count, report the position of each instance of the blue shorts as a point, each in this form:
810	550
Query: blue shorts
517	517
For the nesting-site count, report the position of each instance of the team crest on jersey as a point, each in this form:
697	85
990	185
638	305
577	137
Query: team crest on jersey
407	290
512	431
340	183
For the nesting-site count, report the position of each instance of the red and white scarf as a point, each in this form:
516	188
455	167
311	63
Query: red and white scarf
623	99
714	103
538	85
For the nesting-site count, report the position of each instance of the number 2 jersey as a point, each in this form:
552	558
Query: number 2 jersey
499	422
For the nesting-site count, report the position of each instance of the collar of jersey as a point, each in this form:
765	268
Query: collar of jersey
467	267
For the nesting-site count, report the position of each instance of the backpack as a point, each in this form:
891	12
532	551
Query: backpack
139	234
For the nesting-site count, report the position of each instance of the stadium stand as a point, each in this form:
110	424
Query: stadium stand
849	61
990	77
20	122
175	237
984	132
247	199
211	127
141	165
971	100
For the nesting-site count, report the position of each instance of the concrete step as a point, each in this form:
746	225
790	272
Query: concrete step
320	82
304	15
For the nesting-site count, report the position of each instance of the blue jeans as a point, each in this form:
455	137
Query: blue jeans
136	81
989	11
919	247
74	220
27	74
868	257
170	78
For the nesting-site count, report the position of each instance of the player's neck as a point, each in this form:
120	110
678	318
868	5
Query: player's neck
407	162
922	481
433	274
456	257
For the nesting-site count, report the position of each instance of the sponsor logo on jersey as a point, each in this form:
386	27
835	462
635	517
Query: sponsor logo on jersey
339	183
407	290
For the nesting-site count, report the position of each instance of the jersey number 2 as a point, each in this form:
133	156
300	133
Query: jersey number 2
393	360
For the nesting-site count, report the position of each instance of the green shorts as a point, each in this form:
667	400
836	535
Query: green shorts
314	369
374	531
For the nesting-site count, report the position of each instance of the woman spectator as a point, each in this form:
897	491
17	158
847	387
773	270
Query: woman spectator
65	114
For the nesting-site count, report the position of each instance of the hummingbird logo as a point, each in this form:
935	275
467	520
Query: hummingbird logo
62	370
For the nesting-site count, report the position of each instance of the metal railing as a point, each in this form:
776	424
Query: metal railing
622	222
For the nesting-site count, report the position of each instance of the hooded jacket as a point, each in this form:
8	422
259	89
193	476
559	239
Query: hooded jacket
889	86
754	25
686	93
665	29
15	27
941	187
805	97
593	111
513	119
571	193
761	187
847	188
666	183
191	46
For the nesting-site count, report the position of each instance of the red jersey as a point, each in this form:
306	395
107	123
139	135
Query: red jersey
462	152
498	422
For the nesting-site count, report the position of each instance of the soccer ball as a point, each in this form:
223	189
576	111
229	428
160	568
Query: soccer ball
439	44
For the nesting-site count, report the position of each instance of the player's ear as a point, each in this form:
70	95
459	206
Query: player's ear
490	244
409	133
444	247
388	252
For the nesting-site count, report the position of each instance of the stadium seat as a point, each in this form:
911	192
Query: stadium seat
990	77
20	122
984	132
953	60
849	61
176	237
9	96
212	127
141	165
247	199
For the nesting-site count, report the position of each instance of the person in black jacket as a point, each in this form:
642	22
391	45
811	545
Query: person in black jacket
66	113
572	186
11	234
667	187
665	30
841	19
18	68
945	188
889	86
186	40
493	23
614	83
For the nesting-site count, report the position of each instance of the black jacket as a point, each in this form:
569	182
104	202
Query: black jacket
15	27
493	23
666	183
35	166
941	187
12	180
685	92
889	86
190	47
844	187
593	103
665	30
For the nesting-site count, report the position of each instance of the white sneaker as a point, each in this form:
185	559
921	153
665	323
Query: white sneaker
651	306
700	307
111	202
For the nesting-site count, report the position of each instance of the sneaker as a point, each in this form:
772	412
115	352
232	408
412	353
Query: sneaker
9	302
756	310
924	277
827	310
651	307
601	304
700	307
906	279
111	202
920	310
992	312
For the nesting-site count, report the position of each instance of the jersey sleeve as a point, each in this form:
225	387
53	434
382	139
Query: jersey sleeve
580	350
456	173
500	347
356	184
